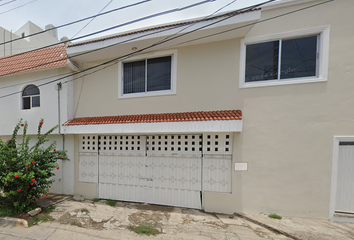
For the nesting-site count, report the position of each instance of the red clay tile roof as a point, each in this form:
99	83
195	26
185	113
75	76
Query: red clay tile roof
161	117
29	61
233	13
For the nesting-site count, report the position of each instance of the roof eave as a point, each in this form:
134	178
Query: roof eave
157	127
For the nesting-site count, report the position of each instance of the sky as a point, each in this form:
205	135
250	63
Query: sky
15	13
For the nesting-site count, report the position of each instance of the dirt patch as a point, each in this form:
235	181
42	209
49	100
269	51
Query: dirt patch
149	207
152	219
81	220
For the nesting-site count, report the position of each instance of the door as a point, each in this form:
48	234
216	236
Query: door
157	169
345	180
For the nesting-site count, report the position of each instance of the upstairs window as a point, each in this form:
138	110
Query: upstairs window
287	58
282	59
30	97
148	76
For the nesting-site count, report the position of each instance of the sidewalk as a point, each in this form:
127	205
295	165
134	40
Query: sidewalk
88	220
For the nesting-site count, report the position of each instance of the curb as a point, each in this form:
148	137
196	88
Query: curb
275	230
15	222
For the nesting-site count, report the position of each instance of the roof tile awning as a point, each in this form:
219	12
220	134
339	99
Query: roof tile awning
210	121
49	57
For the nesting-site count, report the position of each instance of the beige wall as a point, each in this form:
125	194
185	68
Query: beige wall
87	190
288	130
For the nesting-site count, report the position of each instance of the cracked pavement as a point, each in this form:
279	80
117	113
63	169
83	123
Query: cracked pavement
88	220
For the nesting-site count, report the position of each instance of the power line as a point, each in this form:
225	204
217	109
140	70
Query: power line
123	24
17	7
77	21
7	2
113	61
92	19
158	43
250	24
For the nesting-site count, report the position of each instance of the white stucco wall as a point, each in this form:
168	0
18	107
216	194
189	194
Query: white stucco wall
11	106
287	130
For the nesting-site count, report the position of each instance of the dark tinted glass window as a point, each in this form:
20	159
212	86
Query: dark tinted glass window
299	57
159	74
147	75
30	90
26	103
262	61
35	101
134	77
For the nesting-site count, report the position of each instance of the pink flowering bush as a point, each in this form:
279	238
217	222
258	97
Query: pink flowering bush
26	171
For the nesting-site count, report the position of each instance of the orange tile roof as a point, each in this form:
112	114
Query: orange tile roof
233	13
29	61
161	117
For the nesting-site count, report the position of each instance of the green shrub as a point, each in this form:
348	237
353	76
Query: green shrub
26	172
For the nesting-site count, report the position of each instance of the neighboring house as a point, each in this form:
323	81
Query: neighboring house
247	111
25	94
26	38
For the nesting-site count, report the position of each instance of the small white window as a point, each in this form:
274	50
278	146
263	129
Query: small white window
30	97
148	75
287	58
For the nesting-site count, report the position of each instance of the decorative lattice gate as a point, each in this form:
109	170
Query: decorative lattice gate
158	169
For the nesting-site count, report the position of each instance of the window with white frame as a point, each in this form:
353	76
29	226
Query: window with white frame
148	75
295	57
30	97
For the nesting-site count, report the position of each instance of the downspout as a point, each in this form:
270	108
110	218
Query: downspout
59	88
4	43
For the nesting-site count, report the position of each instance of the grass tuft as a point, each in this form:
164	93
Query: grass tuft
144	230
48	209
38	219
275	216
111	202
95	199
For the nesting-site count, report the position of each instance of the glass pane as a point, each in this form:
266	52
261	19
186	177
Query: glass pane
35	101
299	57
262	61
159	74
30	90
26	103
134	77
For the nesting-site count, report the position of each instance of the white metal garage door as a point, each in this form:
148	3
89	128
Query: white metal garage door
158	169
345	181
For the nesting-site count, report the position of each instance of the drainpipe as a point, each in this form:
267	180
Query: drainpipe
59	88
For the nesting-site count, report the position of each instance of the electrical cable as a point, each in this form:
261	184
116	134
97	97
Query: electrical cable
17	7
77	21
121	25
92	19
113	61
162	41
7	2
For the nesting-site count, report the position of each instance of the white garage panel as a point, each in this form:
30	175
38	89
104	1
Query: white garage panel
158	169
345	181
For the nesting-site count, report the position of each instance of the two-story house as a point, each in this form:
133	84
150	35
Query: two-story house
246	111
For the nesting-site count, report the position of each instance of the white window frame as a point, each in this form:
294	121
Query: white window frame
173	90
322	59
30	97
